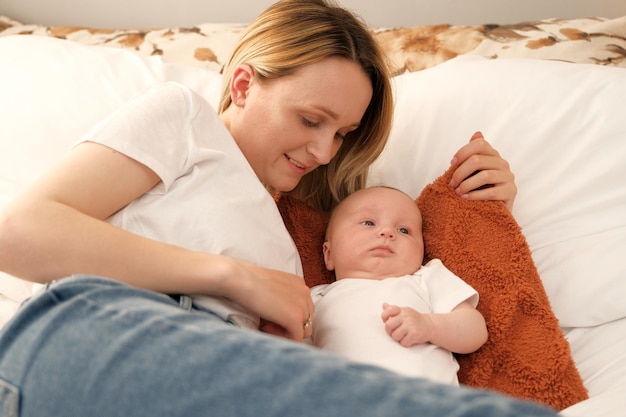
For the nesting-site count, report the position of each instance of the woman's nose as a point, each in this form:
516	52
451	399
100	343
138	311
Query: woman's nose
323	148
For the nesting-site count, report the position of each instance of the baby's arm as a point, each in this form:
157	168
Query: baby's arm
463	330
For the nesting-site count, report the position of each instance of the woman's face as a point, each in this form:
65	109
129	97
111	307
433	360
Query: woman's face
289	126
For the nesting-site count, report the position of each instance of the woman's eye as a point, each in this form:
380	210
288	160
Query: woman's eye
308	122
403	230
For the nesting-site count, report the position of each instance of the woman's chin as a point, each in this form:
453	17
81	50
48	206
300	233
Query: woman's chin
286	189
286	185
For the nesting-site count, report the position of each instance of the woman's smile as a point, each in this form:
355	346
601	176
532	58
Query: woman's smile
297	166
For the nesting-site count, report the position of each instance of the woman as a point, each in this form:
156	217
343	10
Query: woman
167	197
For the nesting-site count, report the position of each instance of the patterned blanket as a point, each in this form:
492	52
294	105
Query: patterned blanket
593	40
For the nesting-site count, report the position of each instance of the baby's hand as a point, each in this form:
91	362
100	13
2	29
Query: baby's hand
406	326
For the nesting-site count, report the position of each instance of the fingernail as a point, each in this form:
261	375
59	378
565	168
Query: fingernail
477	135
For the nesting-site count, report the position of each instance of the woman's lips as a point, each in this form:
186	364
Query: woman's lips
296	166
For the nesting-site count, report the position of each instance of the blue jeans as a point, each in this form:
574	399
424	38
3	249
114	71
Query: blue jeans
92	347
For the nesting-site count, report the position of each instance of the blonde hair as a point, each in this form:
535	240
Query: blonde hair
293	33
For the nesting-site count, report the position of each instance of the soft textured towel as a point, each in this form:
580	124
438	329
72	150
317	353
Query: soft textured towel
526	355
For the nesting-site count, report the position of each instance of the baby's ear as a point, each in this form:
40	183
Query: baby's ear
330	265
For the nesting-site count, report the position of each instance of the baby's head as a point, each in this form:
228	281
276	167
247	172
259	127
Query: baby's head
374	233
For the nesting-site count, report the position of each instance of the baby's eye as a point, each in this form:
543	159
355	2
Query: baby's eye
368	223
403	230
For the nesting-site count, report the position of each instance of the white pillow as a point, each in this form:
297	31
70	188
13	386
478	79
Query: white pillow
54	91
560	125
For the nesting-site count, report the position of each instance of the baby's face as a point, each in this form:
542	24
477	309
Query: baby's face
375	233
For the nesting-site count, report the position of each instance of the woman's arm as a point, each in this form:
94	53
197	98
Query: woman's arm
57	228
482	174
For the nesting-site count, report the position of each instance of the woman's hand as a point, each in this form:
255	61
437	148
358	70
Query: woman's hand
482	174
282	300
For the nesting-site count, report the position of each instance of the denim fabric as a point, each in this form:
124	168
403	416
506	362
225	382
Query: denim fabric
92	347
9	400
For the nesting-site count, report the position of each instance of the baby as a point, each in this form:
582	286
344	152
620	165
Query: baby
385	308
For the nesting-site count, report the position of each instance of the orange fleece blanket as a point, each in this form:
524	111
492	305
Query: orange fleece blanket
526	355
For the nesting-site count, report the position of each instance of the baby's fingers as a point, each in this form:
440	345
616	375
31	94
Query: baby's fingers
389	311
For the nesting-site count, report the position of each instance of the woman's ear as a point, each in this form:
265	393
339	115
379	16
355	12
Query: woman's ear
242	77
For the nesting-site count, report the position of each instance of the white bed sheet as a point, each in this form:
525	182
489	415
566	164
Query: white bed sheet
600	355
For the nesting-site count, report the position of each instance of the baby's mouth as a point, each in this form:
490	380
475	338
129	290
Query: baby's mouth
383	248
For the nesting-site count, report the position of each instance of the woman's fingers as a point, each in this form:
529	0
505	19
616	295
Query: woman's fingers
282	300
482	174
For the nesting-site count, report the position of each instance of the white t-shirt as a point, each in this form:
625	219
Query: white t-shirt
210	199
348	322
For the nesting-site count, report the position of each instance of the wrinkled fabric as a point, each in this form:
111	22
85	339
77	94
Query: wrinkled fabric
87	346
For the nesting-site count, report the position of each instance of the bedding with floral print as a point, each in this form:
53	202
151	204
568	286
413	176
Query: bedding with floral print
599	41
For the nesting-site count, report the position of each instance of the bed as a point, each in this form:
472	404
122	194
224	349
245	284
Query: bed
549	94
